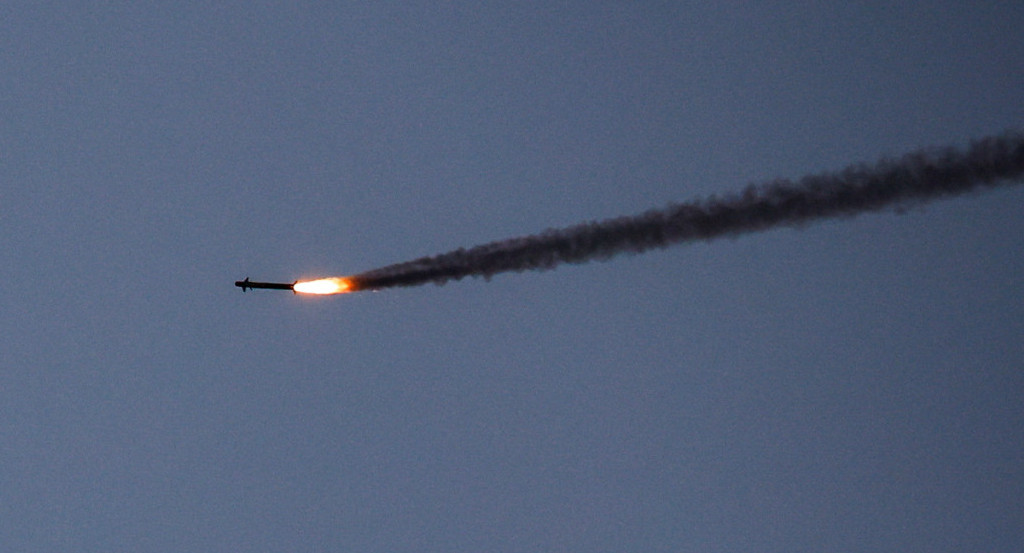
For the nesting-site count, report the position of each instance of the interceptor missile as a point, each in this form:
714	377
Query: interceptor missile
248	284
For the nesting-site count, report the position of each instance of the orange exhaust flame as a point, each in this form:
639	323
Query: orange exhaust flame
323	286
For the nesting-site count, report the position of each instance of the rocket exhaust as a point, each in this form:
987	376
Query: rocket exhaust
914	178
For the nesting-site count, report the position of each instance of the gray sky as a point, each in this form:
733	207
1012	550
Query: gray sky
854	385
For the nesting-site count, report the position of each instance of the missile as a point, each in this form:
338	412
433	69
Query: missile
248	284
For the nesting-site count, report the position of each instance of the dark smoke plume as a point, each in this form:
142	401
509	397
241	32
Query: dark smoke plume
914	178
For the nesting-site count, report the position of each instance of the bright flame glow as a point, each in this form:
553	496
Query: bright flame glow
324	286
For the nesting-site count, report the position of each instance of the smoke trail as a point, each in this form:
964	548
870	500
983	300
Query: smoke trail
914	178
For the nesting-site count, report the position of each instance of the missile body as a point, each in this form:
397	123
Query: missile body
248	284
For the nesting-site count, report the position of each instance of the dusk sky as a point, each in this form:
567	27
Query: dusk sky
854	384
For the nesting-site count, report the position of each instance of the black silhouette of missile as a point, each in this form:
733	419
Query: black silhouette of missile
248	284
